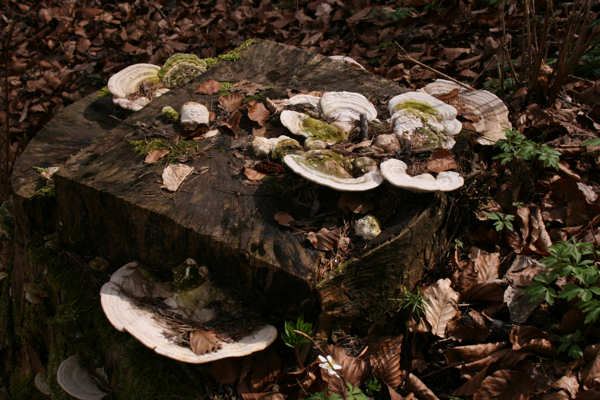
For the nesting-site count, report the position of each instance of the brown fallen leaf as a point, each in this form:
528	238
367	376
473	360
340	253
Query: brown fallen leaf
231	102
253	174
174	174
354	203
385	361
283	218
569	384
257	112
204	341
441	160
472	352
353	369
266	368
325	239
414	384
246	87
530	338
505	385
208	87
155	155
269	167
440	302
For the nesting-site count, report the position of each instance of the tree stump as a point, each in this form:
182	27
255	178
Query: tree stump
109	203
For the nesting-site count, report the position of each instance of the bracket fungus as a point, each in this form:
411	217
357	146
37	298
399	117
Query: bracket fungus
347	60
487	113
330	169
120	300
426	122
193	114
74	379
395	172
304	125
345	108
135	86
40	382
181	68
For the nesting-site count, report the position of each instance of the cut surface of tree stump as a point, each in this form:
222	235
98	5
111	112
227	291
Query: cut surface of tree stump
110	203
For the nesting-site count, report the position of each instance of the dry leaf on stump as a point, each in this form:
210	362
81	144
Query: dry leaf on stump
257	112
174	174
209	87
155	155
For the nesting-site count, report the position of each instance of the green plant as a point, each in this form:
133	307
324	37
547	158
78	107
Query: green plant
570	345
517	146
372	386
414	303
501	220
577	263
353	393
592	142
291	338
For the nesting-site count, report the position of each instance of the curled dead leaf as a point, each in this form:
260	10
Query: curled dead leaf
174	174
208	87
257	112
231	102
385	361
204	341
155	155
253	174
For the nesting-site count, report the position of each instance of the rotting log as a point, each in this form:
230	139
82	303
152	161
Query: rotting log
108	203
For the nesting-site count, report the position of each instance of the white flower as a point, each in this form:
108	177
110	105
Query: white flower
329	365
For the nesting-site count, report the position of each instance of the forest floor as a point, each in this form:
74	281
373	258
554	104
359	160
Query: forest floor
471	330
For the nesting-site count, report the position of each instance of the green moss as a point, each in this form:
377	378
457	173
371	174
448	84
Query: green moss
169	113
180	58
103	92
323	131
285	147
418	107
48	190
328	162
176	150
232	55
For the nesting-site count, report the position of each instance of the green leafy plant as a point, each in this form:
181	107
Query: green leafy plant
352	393
291	338
592	142
372	386
517	146
570	344
501	221
577	263
414	303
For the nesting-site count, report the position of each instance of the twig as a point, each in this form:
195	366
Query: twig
440	73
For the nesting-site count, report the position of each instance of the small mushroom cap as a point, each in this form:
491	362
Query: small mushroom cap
128	80
394	172
76	381
125	315
488	113
367	227
41	383
302	165
346	106
193	114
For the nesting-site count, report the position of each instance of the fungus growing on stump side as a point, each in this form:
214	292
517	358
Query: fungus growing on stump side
135	86
120	299
394	172
74	379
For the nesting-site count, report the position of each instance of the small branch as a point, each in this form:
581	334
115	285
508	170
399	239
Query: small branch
440	73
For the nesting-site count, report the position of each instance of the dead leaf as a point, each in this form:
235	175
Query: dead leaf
393	394
253	174
482	267
472	352
324	239
283	218
269	167
155	155
570	384
259	131
246	87
266	368
470	327
174	174
204	341
231	102
440	302
385	361
441	160
257	112
519	276
354	203
505	385
530	338
592	378
353	369
208	87
416	385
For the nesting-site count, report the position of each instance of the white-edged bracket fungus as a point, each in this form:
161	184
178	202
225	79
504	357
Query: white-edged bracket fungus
487	113
367	227
345	108
127	86
307	99
77	381
330	169
125	314
304	125
41	383
193	114
181	68
394	171
426	122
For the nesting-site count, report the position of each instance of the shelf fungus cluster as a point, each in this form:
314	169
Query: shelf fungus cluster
189	319
135	86
395	172
423	121
486	112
